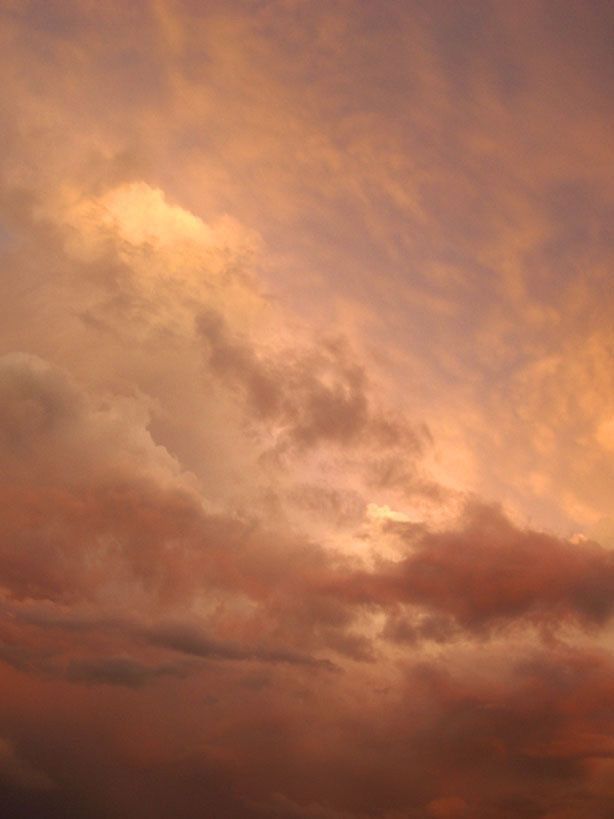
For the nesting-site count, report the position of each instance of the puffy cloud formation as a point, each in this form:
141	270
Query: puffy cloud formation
306	410
488	572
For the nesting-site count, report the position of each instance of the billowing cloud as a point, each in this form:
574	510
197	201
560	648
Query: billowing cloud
488	572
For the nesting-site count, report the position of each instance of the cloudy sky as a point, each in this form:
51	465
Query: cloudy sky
306	409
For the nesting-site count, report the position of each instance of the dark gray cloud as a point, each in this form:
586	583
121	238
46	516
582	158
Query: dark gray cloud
119	671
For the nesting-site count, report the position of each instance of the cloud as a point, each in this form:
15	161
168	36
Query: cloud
288	285
447	807
190	640
312	395
114	569
488	572
53	433
19	772
118	671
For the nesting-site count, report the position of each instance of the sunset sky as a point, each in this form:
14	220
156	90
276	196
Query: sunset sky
306	409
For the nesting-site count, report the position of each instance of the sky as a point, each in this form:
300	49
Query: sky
306	409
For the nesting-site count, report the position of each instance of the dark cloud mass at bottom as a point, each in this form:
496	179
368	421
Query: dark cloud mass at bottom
306	410
276	699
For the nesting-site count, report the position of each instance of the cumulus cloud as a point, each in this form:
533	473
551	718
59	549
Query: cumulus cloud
117	575
315	395
489	572
53	433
